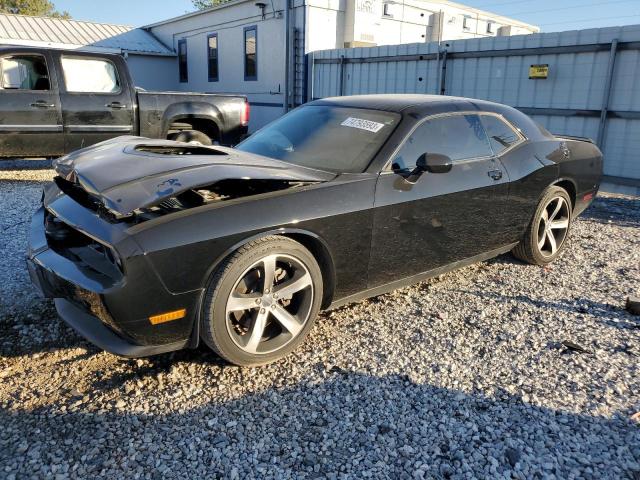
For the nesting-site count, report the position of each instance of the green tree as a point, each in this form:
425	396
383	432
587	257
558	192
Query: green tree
203	4
43	8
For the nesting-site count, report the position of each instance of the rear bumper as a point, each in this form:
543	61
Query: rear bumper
112	316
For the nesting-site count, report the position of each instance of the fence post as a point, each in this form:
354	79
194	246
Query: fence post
310	72
341	77
443	73
607	94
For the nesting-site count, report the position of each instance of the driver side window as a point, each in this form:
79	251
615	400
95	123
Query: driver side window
459	137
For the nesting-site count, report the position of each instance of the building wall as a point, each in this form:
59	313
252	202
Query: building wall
315	25
153	72
393	22
266	94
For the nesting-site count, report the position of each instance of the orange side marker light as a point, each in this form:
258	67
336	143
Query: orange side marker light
168	317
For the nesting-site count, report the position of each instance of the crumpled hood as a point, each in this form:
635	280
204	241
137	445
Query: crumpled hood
128	173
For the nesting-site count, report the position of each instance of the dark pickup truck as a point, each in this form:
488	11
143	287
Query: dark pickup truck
55	101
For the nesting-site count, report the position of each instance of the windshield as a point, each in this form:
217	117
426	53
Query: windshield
336	139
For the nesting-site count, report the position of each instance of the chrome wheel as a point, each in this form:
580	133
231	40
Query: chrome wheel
553	226
270	304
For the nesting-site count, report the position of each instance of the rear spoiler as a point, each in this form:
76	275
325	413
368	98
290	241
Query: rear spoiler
579	139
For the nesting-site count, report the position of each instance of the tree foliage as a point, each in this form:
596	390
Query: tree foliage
43	8
203	4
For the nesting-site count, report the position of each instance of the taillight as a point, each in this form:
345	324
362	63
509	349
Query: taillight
245	113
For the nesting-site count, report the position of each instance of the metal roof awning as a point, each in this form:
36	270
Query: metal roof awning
73	34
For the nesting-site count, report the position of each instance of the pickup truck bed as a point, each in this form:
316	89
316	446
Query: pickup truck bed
55	101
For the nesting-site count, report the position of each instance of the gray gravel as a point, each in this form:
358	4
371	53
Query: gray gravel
473	374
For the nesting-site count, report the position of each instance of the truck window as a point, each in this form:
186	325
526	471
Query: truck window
24	72
90	75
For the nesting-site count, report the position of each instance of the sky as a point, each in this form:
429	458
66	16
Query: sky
550	15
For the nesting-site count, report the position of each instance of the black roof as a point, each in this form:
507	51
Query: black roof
416	106
400	102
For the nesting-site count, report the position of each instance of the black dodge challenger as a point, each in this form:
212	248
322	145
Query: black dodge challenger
150	246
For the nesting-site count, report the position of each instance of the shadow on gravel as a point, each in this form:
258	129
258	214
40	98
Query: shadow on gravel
610	315
351	422
622	211
25	164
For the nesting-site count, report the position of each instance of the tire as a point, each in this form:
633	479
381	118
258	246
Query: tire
243	319
191	136
537	247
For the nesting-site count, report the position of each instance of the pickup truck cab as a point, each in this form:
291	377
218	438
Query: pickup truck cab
55	101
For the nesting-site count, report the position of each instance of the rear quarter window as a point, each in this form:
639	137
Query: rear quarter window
501	135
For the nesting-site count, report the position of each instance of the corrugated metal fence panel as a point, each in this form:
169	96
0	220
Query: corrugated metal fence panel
621	147
576	80
417	76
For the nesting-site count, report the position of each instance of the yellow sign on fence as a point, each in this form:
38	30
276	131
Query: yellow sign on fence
539	72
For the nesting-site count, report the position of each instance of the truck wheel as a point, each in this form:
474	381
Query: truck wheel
195	137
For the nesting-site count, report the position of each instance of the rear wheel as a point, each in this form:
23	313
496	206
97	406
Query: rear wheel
195	137
547	233
262	301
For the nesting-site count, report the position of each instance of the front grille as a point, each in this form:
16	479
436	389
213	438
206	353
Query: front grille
81	249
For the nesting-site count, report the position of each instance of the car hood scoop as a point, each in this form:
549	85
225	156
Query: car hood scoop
129	173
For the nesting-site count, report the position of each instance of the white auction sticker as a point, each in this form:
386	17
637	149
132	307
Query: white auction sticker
362	124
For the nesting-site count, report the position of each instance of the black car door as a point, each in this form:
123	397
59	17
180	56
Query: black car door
96	100
30	117
442	217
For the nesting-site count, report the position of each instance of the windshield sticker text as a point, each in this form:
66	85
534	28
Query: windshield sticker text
363	124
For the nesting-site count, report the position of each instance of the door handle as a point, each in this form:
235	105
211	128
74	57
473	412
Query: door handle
42	104
495	174
116	105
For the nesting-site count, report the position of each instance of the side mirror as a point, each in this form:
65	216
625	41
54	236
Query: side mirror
434	163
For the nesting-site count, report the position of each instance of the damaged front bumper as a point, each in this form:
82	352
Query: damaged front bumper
110	313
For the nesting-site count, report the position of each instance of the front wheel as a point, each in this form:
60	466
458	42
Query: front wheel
547	233
262	301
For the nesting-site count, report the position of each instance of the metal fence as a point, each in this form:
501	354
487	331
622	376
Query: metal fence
592	89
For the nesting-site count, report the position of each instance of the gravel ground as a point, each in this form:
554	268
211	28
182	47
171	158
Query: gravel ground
462	376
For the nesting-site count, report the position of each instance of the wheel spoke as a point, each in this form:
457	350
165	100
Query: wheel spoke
542	241
269	264
552	242
288	321
292	286
557	209
257	330
559	224
545	216
242	301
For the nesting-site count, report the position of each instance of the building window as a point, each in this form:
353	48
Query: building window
386	10
182	60
466	23
251	53
490	28
212	56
